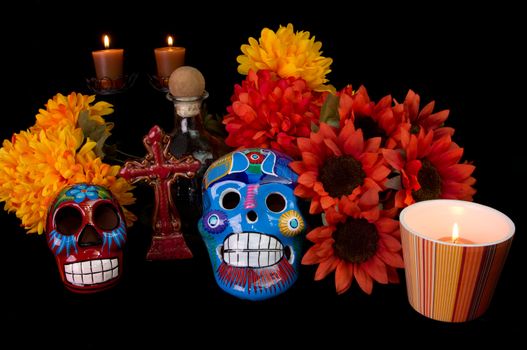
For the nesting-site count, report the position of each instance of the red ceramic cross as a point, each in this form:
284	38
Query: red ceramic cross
159	168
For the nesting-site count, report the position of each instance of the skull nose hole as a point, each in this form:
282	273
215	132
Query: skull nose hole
252	216
89	237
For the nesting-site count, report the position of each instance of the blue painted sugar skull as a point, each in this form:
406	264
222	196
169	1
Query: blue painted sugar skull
251	223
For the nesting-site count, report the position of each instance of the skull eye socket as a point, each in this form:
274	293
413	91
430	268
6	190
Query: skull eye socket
105	217
275	202
68	221
229	199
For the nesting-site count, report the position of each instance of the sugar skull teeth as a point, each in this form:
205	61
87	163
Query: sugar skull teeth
252	250
91	271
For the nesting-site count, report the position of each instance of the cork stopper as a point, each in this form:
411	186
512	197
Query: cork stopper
186	81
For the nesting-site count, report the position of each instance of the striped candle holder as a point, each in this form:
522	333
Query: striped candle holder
447	279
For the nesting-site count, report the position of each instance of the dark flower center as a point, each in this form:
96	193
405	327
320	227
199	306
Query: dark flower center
369	127
355	240
430	182
340	175
414	130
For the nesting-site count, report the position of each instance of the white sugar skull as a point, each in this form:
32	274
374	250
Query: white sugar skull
86	231
251	223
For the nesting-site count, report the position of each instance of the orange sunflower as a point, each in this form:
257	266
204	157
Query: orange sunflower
425	118
338	166
375	119
430	169
359	242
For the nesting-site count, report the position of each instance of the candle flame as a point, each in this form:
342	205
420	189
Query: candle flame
170	40
455	232
106	40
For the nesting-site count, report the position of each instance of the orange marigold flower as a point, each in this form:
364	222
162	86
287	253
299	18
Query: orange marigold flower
340	166
36	165
61	110
359	242
268	111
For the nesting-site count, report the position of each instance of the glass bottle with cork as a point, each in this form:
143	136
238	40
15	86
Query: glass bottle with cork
187	93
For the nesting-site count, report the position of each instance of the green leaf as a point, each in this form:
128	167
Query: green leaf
63	199
329	113
394	183
98	133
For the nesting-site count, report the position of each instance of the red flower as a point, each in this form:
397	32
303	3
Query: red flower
360	242
268	111
338	166
375	119
430	169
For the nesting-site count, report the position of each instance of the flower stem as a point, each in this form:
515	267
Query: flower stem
127	154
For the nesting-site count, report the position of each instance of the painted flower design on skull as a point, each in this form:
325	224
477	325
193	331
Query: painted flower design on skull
83	191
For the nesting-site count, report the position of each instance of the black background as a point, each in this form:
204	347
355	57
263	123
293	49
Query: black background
465	59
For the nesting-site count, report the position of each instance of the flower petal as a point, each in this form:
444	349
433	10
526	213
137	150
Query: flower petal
393	276
386	225
354	145
364	280
319	233
394	158
390	258
311	257
315	207
369	198
308	178
333	217
327	131
326	267
298	167
311	160
79	197
372	145
376	269
303	191
327	202
390	242
458	172
343	276
332	146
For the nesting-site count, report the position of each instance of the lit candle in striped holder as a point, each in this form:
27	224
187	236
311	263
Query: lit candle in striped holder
453	279
455	238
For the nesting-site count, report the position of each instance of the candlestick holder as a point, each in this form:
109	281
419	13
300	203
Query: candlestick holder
107	86
159	83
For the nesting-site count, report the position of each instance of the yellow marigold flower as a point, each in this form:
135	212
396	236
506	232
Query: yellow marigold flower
289	54
61	110
35	165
